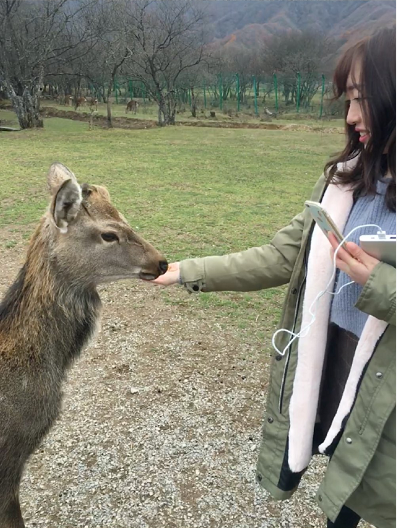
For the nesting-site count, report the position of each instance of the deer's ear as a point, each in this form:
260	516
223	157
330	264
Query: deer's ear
57	175
66	204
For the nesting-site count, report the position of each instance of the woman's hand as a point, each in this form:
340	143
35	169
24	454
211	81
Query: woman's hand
171	276
355	262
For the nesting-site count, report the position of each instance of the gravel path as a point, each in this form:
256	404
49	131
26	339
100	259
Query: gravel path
160	426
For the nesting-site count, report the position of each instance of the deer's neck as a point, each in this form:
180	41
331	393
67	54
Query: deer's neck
45	316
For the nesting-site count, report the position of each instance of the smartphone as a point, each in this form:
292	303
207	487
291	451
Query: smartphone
323	220
382	247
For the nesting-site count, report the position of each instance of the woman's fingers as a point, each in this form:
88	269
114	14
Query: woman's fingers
354	261
359	254
170	277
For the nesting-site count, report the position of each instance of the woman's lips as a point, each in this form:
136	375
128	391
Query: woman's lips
364	136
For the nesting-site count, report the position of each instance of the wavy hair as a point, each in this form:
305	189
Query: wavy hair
377	57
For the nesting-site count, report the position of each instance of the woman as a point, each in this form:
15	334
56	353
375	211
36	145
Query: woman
333	390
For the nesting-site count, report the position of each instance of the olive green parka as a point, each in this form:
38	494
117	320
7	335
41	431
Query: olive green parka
361	471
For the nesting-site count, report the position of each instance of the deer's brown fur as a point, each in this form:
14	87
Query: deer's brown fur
50	313
132	106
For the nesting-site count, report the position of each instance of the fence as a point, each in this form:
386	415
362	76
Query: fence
233	93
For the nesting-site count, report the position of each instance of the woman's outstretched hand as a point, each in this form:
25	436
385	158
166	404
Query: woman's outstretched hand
355	262
170	277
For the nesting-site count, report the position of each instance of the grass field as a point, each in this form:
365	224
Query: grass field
190	191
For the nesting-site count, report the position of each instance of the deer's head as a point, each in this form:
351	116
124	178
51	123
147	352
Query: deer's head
90	241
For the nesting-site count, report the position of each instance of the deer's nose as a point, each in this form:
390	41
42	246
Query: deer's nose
163	265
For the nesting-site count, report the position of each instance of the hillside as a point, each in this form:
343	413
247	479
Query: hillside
250	23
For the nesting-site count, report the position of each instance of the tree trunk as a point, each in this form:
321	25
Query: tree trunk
91	125
27	107
171	108
167	110
171	118
194	104
162	111
109	105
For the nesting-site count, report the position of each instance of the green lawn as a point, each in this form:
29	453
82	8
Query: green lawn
190	191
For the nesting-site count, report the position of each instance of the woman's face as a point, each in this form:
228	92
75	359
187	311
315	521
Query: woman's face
355	115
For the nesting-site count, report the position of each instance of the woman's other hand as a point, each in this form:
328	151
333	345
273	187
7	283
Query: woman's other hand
170	277
355	262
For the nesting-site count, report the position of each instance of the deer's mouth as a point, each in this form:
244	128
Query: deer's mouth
148	276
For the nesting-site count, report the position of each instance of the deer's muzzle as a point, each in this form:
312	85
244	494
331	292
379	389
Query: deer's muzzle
149	275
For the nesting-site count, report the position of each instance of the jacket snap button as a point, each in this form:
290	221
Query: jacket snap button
379	375
270	419
278	357
259	477
294	291
320	498
195	287
349	440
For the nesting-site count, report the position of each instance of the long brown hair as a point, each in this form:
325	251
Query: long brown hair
377	56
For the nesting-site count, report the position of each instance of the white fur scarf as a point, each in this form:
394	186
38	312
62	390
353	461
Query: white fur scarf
338	202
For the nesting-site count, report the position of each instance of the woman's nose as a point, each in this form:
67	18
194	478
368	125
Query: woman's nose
354	114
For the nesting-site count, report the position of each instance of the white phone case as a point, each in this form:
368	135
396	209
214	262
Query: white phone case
323	220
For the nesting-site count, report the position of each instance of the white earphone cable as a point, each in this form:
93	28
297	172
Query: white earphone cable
305	330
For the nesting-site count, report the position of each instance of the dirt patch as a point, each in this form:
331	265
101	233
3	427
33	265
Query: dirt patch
131	123
98	120
128	122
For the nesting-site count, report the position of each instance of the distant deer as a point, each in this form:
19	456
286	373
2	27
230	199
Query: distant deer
79	101
68	100
92	103
132	106
51	311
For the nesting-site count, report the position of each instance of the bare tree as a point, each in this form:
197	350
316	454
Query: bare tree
167	39
110	24
305	53
191	80
34	36
235	60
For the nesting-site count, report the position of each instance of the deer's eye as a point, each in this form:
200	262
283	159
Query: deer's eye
110	237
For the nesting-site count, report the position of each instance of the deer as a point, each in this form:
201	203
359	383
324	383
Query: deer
79	101
132	106
52	311
92	103
68	100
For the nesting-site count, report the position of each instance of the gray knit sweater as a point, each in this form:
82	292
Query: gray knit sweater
366	210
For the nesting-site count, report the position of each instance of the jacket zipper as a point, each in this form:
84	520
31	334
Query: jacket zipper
283	381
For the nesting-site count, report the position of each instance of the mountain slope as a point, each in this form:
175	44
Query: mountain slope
251	22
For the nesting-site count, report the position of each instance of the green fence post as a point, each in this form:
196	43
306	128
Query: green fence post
130	88
322	95
189	94
255	96
220	92
205	97
143	92
275	90
298	92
